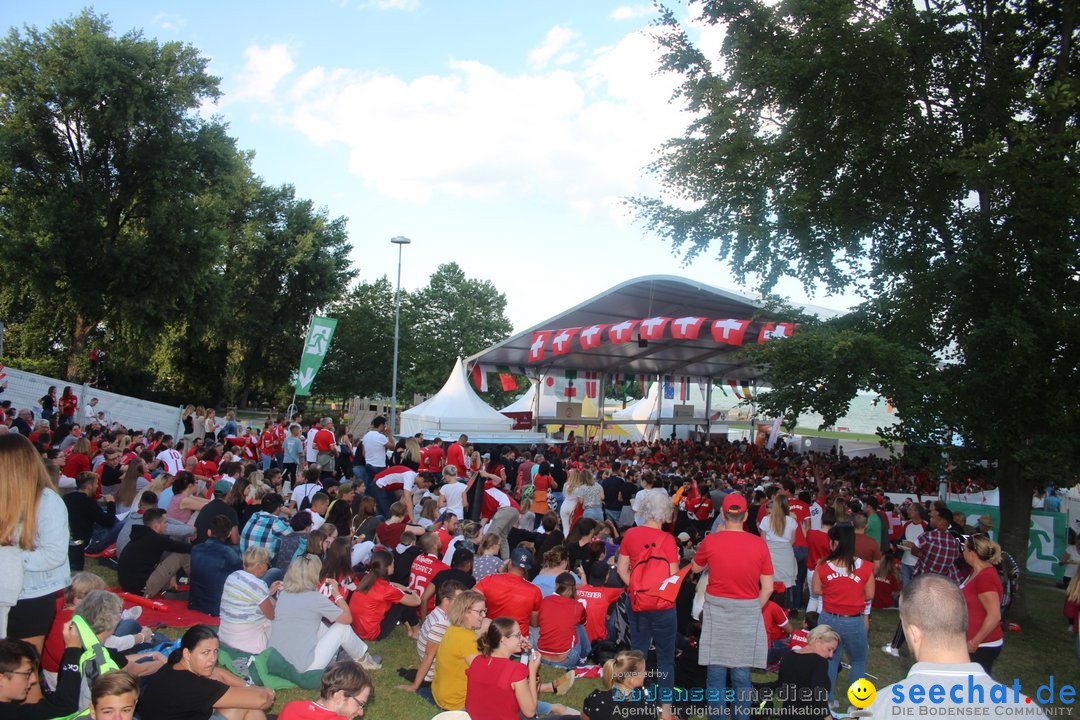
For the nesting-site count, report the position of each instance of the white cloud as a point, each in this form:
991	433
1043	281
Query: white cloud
630	12
554	47
264	69
169	21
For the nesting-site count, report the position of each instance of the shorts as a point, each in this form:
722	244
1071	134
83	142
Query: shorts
32	617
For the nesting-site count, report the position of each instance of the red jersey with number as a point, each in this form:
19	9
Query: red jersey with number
423	569
597	600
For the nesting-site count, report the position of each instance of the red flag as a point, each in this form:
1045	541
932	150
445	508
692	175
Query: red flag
591	337
668	589
729	331
684	388
776	331
686	328
509	382
592	379
540	339
622	332
560	342
653	328
479	377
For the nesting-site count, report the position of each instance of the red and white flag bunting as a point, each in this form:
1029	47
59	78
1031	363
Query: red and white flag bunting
560	341
622	332
540	339
653	328
729	331
686	328
776	331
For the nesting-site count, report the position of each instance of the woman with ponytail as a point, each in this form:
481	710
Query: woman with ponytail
376	604
982	592
624	676
500	687
192	686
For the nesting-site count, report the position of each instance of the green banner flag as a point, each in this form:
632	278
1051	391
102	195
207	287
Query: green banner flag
315	347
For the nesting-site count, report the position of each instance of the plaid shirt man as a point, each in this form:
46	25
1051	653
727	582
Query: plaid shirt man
939	551
265	530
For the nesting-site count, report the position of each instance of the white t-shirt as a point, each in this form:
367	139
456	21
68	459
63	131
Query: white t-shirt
815	515
374	443
311	453
454	492
911	533
768	535
307	490
172	460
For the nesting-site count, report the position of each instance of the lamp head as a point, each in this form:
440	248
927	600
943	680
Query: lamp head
400	240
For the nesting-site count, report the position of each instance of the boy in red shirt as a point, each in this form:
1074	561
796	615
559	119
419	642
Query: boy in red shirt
343	695
510	595
562	640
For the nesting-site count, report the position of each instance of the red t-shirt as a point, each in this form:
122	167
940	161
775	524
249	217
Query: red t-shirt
75	464
431	458
490	694
509	595
736	562
455	456
424	568
389	534
885	590
307	710
987	580
800	638
324	440
597	600
206	468
559	618
368	609
775	619
843	593
818	543
54	641
801	512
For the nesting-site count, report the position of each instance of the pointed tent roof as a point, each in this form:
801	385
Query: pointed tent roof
524	403
455	408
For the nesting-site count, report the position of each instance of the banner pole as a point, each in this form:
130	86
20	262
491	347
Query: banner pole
292	403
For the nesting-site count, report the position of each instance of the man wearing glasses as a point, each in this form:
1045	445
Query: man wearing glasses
19	674
344	693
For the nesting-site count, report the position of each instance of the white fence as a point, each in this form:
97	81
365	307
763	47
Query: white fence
26	389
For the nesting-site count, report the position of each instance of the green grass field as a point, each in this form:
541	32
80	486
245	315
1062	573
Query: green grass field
1045	646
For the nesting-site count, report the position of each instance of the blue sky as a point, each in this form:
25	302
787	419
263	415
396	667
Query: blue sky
500	135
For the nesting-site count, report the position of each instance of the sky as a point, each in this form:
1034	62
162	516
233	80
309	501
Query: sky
503	136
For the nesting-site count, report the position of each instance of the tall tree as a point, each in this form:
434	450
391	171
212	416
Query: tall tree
103	159
359	360
453	316
923	154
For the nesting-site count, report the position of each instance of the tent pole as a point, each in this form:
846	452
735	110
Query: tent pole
600	388
536	401
708	410
659	403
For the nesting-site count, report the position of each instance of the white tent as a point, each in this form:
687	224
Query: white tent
457	409
644	410
524	403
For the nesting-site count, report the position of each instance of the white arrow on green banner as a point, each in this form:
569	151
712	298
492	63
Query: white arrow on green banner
315	346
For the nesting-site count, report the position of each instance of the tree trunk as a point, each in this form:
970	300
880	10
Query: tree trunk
80	331
1015	511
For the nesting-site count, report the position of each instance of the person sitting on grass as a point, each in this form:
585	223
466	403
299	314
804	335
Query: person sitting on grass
298	632
376	604
19	674
212	561
113	696
624	675
151	560
561	638
431	634
344	693
247	602
192	686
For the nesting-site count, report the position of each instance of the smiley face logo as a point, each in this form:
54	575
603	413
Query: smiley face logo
862	693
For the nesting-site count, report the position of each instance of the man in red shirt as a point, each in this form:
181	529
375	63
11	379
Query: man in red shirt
325	443
425	567
455	455
510	595
432	458
732	628
866	547
597	599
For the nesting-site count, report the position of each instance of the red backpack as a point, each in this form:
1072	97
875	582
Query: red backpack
648	574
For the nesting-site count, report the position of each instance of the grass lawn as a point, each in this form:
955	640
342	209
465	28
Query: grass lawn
1044	647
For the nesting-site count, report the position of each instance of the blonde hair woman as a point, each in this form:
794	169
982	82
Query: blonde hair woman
33	521
570	499
411	457
591	496
468	617
624	676
778	532
982	592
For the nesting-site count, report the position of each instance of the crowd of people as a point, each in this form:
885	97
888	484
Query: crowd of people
675	563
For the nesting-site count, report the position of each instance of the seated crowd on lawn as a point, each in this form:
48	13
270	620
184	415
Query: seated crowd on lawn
313	548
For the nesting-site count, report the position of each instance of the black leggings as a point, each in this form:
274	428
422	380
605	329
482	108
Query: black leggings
392	619
986	656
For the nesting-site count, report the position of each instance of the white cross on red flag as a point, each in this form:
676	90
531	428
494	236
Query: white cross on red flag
776	331
729	331
592	381
540	339
653	328
686	328
560	342
622	332
591	337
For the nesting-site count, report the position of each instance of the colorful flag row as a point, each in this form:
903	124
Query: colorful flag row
506	376
727	331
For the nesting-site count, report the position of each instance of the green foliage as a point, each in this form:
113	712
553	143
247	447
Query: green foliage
360	358
924	156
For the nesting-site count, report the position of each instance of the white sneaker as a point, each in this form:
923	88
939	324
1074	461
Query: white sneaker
370	662
132	613
888	649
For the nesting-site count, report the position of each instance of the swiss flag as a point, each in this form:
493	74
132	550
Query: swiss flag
668	589
540	339
560	342
591	337
686	328
622	332
776	331
729	331
653	328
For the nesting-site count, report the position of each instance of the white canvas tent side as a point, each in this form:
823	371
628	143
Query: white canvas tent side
524	403
455	408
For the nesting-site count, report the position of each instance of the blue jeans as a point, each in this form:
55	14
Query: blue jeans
382	500
740	684
656	627
580	651
853	639
264	461
594	513
907	572
801	553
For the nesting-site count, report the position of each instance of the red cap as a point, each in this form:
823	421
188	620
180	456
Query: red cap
734	502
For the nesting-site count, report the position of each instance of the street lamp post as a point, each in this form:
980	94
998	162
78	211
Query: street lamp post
400	242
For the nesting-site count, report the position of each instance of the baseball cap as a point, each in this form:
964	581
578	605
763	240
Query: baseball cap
521	557
222	486
683	537
734	502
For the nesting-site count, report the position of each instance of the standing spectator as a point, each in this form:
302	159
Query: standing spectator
455	455
616	496
652	619
375	443
210	426
69	402
48	404
867	547
982	593
733	638
846	586
35	519
452	494
937	549
912	530
326	449
778	530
